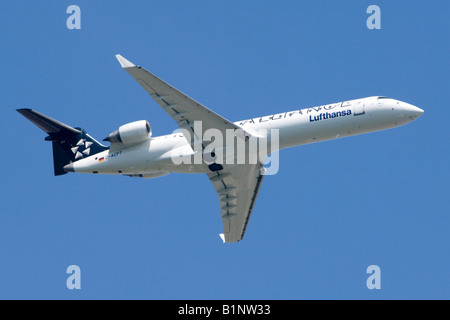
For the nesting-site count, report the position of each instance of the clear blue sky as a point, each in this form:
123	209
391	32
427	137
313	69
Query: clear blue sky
334	208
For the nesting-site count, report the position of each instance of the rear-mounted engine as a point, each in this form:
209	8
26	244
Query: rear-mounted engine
130	133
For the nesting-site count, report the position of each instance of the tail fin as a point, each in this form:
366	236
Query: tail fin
69	144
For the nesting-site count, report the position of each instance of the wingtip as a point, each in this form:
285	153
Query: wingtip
222	236
23	110
124	62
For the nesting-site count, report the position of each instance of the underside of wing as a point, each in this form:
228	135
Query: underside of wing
237	187
183	109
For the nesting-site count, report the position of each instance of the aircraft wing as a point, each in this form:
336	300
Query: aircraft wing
180	107
237	187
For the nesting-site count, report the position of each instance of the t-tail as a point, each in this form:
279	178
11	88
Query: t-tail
69	144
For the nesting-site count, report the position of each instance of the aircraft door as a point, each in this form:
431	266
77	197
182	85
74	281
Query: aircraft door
358	108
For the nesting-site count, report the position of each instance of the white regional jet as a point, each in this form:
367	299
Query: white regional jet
134	152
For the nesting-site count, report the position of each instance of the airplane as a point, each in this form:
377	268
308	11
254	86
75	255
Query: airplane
134	152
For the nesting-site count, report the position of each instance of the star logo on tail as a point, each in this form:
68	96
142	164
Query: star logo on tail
81	149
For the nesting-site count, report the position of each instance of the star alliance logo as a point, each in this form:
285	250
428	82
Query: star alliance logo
81	149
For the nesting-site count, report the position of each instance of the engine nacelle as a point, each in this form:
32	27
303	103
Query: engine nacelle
134	132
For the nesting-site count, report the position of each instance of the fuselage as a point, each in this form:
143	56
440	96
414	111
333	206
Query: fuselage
155	157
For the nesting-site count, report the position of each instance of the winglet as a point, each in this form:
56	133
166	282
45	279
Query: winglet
124	62
222	236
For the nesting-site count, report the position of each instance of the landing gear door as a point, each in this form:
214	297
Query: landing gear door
358	108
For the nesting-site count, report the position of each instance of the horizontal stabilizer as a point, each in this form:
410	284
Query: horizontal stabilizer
69	144
49	125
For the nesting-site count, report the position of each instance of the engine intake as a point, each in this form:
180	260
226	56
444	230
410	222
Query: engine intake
130	133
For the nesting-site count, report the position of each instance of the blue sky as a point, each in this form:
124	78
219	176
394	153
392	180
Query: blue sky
333	209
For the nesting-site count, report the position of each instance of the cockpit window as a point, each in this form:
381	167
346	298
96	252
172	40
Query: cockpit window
379	98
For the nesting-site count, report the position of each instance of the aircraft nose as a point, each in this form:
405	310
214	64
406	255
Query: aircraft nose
413	111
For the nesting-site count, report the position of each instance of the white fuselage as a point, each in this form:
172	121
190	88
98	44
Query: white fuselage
154	157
